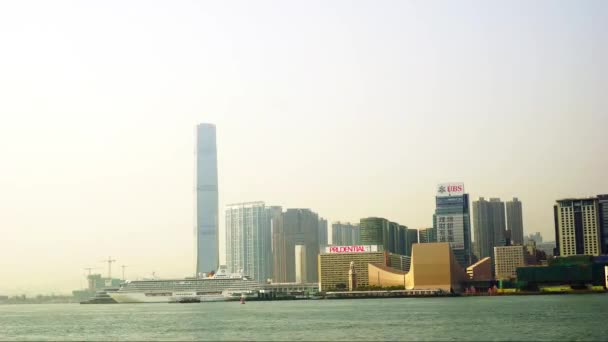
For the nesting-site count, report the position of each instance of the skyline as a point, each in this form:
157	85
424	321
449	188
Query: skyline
359	115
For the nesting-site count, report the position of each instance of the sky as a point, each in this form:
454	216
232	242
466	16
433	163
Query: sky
350	108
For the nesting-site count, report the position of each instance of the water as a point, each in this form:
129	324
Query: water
557	318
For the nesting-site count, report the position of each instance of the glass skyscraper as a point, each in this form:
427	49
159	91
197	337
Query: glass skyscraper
207	243
452	220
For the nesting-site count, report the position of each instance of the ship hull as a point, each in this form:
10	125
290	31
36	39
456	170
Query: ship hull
140	297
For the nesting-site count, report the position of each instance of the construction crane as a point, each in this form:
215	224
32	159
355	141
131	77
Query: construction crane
90	269
109	261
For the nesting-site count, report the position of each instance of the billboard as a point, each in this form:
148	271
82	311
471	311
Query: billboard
351	249
450	189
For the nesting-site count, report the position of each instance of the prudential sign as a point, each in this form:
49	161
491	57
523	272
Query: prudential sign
450	189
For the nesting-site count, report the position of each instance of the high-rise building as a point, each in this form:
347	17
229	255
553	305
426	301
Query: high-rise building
507	259
248	240
603	219
298	227
515	221
452	220
489	225
427	235
373	231
207	236
344	233
412	238
537	237
323	231
577	227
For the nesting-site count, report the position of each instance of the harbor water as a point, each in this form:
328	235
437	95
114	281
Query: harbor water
550	317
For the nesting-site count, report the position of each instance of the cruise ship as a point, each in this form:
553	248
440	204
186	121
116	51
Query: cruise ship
222	286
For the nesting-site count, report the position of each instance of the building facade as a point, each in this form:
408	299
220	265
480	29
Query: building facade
335	265
506	261
344	233
489	226
577	227
323	233
515	221
603	220
298	227
451	220
412	238
427	235
374	231
207	211
248	240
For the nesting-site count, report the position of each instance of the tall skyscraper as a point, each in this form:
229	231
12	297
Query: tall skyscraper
515	221
248	240
207	237
298	227
452	220
489	226
344	234
577	227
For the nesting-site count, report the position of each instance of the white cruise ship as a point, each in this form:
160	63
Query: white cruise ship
219	287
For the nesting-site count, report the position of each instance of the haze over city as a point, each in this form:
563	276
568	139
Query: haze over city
355	110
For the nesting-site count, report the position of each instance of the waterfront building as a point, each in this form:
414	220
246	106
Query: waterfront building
207	211
412	238
489	226
392	236
515	221
334	264
279	248
323	231
506	261
248	240
451	220
603	221
298	227
433	267
577	227
427	235
481	270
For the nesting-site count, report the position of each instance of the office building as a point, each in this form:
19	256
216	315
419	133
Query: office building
506	261
427	235
603	221
279	248
577	227
374	231
248	240
297	227
489	226
515	222
451	220
207	235
334	264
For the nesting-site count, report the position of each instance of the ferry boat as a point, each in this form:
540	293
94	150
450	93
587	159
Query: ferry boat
222	286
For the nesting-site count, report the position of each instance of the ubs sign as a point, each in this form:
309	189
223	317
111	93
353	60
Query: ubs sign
450	189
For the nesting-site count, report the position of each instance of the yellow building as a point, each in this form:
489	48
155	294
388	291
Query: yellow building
433	267
481	270
334	267
506	261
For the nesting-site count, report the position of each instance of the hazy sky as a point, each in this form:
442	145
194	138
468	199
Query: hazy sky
350	108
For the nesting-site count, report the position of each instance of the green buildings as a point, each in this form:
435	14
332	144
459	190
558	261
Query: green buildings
393	237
